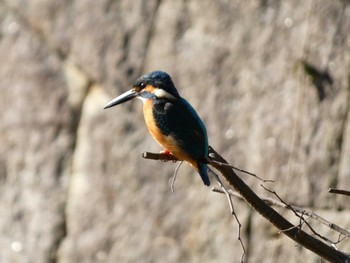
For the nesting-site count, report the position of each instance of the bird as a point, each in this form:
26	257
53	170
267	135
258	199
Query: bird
170	119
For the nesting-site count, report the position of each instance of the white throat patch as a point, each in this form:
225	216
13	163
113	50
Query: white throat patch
160	93
142	99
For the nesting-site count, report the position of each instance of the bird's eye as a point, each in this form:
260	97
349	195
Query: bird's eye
142	85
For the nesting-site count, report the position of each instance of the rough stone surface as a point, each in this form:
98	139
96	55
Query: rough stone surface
270	79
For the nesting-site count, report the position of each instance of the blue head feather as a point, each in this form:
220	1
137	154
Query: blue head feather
158	79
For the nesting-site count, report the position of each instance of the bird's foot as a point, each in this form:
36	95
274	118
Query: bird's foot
169	155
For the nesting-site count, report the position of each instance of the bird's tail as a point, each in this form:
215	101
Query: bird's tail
203	172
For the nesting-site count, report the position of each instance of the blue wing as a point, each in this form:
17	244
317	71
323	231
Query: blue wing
179	120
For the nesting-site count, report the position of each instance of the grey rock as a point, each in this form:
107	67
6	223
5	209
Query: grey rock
270	80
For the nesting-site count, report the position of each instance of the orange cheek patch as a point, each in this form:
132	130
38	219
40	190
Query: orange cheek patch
149	88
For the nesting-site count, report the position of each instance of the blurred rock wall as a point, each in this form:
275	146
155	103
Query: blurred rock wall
271	80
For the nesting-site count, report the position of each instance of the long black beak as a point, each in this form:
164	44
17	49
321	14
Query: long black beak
129	95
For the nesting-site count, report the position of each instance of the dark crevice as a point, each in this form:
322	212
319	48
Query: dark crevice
248	234
76	114
72	126
61	231
321	79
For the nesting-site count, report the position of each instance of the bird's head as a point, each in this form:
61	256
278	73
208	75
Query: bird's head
154	85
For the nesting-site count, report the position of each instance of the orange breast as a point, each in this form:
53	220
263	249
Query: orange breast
165	141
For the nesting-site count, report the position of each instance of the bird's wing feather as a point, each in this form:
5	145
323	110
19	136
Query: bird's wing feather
179	120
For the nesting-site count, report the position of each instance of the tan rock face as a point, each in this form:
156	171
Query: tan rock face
270	80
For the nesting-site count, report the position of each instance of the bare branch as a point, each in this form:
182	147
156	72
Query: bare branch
301	217
296	234
158	156
343	233
338	191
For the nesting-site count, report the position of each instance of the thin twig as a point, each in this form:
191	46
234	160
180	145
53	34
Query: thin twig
241	170
165	157
301	217
174	176
343	233
233	213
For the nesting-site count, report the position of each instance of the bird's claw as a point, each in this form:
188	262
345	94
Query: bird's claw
169	155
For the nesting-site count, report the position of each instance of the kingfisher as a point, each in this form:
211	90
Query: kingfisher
171	120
